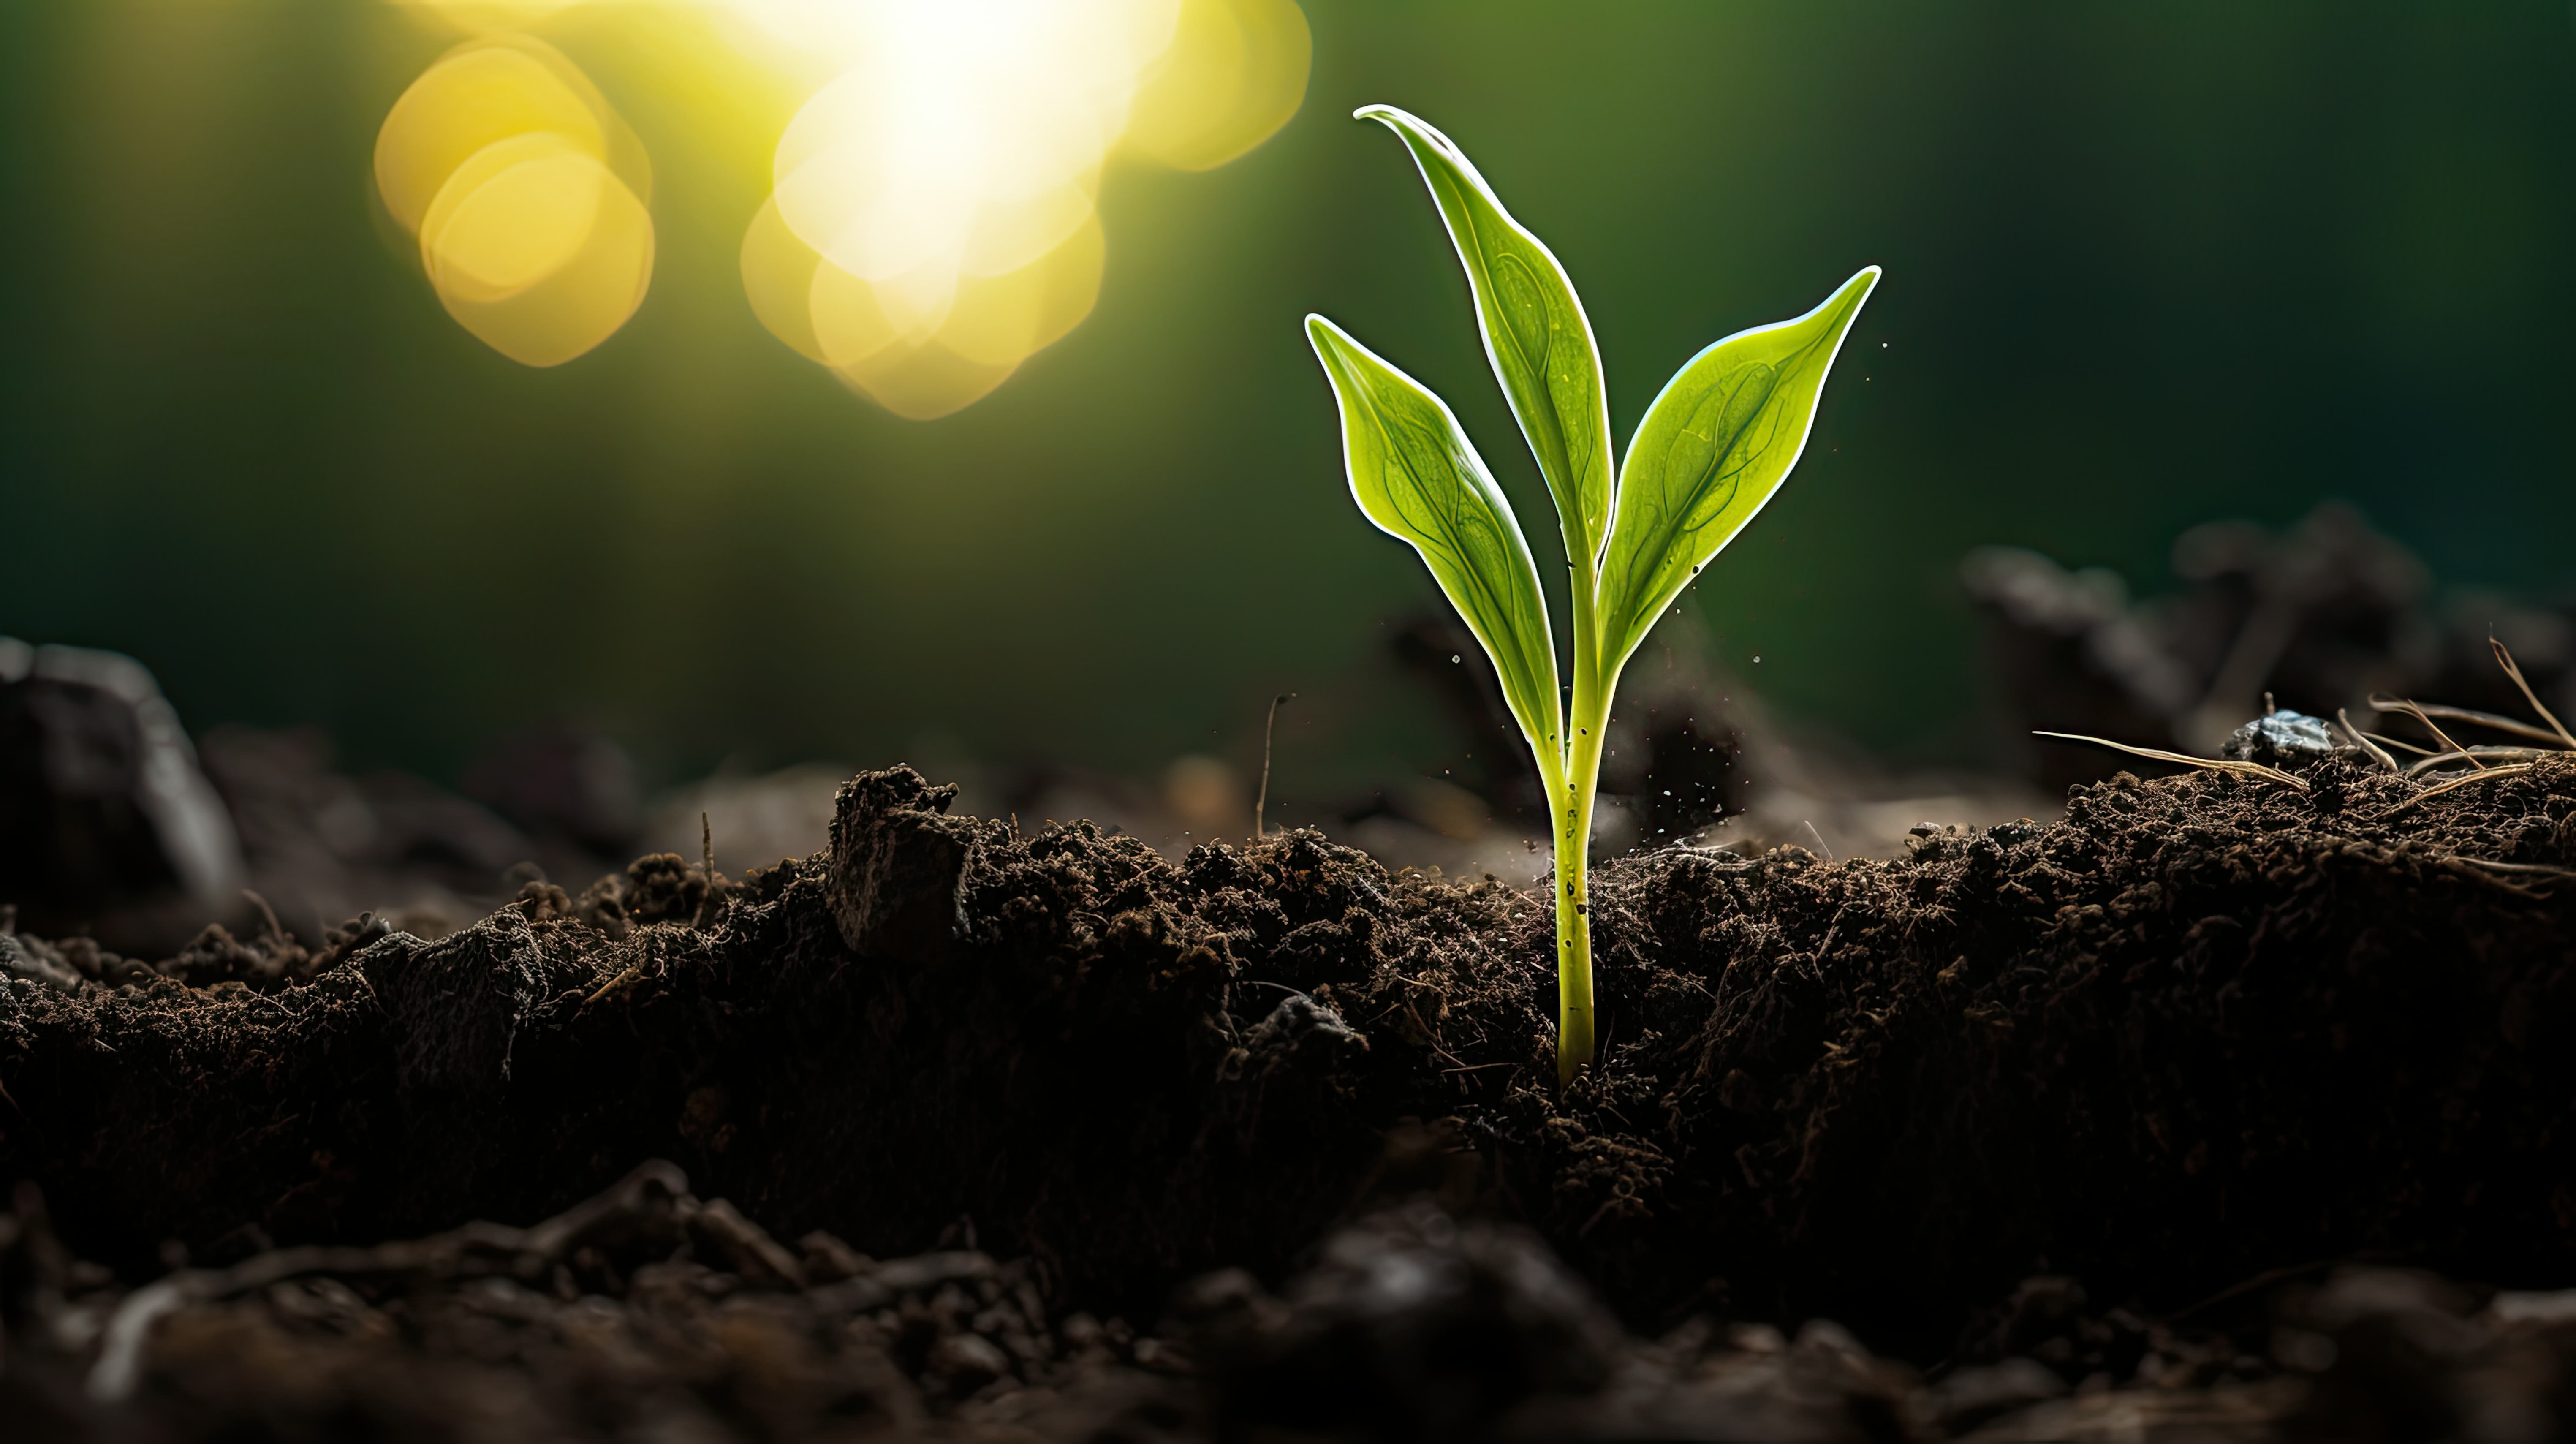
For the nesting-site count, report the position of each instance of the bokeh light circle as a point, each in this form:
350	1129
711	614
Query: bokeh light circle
528	194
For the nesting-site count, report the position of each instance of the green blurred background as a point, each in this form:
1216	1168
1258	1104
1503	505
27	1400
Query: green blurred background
2147	265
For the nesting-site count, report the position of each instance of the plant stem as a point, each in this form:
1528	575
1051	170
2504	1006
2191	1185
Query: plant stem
1574	791
1572	788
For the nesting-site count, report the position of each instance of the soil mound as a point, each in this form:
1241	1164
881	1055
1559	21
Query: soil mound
2203	1028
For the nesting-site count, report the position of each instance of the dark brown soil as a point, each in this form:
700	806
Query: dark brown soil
646	1314
2204	1028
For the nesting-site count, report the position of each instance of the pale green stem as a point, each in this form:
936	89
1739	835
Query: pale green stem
1571	789
1575	788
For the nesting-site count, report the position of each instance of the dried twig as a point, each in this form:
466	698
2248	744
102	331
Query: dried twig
2213	764
1261	798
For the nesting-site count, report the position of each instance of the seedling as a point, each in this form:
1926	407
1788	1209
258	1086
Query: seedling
1712	449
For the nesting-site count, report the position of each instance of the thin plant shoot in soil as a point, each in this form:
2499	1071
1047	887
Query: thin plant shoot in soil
1712	449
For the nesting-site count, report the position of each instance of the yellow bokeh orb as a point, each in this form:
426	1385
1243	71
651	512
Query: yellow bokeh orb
544	255
529	196
486	91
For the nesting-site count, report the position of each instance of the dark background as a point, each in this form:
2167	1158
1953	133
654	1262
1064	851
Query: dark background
2146	266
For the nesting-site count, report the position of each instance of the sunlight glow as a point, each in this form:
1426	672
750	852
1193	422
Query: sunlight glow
484	17
933	222
1235	72
528	195
932	219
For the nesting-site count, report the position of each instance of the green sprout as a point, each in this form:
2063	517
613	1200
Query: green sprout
1712	449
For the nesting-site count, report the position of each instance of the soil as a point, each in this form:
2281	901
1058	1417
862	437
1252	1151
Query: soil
2207	1030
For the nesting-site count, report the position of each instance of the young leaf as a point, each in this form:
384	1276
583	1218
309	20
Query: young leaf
1416	475
1534	329
1712	449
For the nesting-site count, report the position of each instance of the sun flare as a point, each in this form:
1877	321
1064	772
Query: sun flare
932	219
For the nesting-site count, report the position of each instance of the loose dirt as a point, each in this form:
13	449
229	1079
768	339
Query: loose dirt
2204	1029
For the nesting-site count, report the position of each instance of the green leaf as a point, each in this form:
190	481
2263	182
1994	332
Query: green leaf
1712	449
1416	475
1534	328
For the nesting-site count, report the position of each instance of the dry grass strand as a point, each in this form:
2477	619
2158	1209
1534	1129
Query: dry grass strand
2212	764
2474	754
2463	780
2400	743
2362	740
2411	708
2490	719
2504	659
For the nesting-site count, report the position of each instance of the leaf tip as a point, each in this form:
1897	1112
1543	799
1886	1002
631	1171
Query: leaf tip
1332	345
1845	303
1416	131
